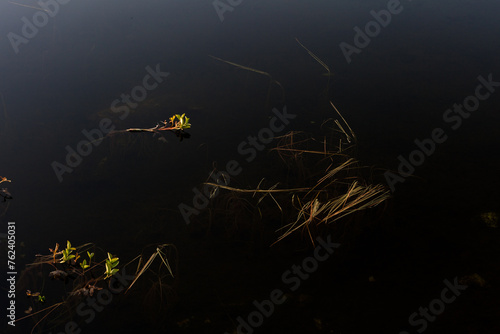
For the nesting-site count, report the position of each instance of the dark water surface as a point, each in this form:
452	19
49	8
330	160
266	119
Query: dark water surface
59	81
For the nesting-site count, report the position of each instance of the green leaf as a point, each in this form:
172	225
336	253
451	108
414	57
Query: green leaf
110	257
183	122
66	256
84	264
68	246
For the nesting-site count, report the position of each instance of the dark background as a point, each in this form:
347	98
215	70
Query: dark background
124	196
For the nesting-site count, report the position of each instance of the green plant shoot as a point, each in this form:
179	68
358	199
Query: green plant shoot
182	122
67	256
111	263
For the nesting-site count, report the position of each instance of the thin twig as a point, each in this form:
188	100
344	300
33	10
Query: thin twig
256	190
338	112
15	3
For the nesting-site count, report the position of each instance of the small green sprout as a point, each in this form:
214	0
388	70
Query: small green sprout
183	122
84	263
67	256
111	263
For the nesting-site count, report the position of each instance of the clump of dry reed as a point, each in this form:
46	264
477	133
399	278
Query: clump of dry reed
330	185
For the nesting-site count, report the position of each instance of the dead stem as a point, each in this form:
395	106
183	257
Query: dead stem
246	68
18	4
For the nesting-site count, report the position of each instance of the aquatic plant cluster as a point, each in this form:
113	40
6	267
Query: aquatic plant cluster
177	124
94	281
69	264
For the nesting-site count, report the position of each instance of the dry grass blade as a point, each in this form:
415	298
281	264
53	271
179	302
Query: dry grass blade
364	198
334	171
328	74
348	137
32	7
164	259
246	68
40	311
353	135
255	190
158	252
270	194
243	67
315	57
143	270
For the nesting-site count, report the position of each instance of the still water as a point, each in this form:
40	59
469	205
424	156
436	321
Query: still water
417	81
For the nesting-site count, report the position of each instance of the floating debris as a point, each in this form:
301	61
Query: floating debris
87	291
5	194
58	275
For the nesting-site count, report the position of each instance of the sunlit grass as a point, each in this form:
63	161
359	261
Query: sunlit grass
327	195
